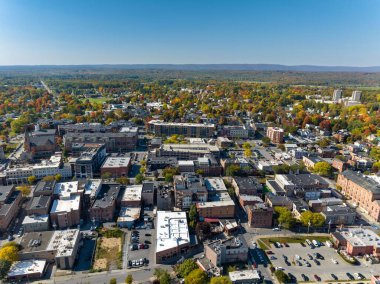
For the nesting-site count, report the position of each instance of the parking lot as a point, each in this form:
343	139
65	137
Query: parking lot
331	266
137	238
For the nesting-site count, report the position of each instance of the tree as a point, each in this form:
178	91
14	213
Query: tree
169	173
197	276
315	219
32	179
248	152
247	145
233	170
281	276
284	217
203	230
220	280
58	177
113	281
200	172
162	275
139	178
48	178
193	214
25	190
123	180
129	279
5	265
186	267
323	169
266	141
231	268
106	175
9	252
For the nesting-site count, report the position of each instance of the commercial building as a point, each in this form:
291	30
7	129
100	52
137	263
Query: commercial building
235	131
40	143
189	189
116	166
60	247
363	190
148	192
215	185
158	163
161	128
259	215
27	270
245	200
132	196
357	241
187	151
275	134
249	276
339	215
44	188
19	174
115	142
10	200
247	186
65	212
36	223
220	205
39	205
172	239
89	162
104	206
226	251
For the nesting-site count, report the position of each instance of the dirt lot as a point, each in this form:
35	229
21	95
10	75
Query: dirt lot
107	253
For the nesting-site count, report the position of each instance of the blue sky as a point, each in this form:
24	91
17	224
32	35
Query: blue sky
293	32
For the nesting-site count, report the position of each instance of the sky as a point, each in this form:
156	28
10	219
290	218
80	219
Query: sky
290	32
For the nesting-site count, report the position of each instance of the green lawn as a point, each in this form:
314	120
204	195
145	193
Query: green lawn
96	100
296	239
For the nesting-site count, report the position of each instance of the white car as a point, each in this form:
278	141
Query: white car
358	276
276	229
334	261
279	268
254	245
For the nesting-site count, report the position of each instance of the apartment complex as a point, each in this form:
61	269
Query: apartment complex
160	128
275	134
363	190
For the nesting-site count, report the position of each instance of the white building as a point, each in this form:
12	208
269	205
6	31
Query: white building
27	269
356	96
249	276
337	95
132	196
36	223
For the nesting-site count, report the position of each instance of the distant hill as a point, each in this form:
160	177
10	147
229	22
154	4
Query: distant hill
202	67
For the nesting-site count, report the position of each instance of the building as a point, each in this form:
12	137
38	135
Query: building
36	223
89	162
224	142
44	188
339	165
39	205
104	206
215	186
337	95
19	174
249	276
27	270
60	247
220	205
275	134
231	250
159	163
10	200
310	161
245	200
339	215
63	190
165	198
116	167
363	190
375	279
148	192
128	217
278	200
40	143
172	239
161	128
208	165
247	186
235	131
132	196
187	151
186	166
189	189
306	186
259	215
65	212
356	96
115	142
357	241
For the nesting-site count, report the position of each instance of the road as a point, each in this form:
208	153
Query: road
125	252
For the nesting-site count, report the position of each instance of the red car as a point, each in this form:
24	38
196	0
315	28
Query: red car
269	252
317	277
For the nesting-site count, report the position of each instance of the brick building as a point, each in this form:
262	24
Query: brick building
275	134
259	215
10	200
116	166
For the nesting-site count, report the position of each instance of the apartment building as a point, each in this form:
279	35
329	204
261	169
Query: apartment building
132	196
219	205
160	128
231	250
10	200
275	134
363	190
104	206
188	189
187	151
247	186
259	215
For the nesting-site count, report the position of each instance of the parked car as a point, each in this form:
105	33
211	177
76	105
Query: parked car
276	229
316	277
334	260
316	261
310	256
350	276
334	276
304	277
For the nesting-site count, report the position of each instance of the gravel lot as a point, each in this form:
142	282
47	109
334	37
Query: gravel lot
326	267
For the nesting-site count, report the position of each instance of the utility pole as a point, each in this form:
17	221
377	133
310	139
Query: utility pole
329	225
308	226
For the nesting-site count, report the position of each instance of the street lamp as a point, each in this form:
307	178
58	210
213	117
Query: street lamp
329	225
308	226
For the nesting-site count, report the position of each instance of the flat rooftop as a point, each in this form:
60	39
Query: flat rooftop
25	267
172	230
361	237
35	241
32	219
244	275
129	214
215	184
63	242
160	122
66	205
116	162
132	193
66	189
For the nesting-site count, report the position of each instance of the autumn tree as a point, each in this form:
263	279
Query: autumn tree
197	276
323	169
